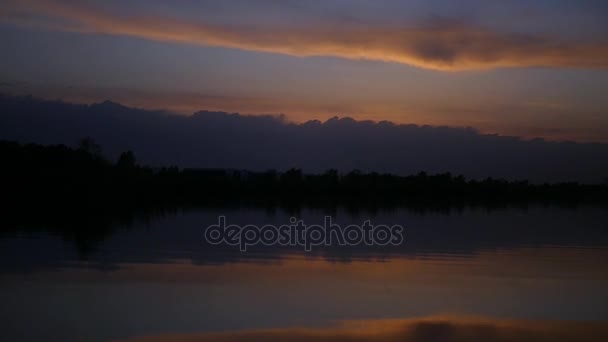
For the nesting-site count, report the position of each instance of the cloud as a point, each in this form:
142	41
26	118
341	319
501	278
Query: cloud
222	140
438	328
556	120
439	44
182	102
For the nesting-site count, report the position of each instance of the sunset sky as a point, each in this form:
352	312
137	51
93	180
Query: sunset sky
525	68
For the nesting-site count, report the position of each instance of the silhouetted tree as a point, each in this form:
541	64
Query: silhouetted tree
89	146
126	161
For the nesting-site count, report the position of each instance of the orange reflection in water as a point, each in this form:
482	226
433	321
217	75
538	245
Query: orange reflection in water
435	328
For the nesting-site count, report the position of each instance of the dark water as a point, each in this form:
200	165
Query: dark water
509	274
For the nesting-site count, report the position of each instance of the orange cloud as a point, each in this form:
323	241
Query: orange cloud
443	46
438	328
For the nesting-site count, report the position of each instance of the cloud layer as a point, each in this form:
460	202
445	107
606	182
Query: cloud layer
222	140
439	44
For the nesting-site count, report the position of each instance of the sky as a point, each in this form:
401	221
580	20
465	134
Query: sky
522	68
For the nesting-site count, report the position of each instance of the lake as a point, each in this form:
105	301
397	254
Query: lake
529	273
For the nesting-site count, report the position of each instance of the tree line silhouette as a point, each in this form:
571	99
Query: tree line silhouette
41	176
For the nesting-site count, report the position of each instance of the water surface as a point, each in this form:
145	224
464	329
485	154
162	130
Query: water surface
529	271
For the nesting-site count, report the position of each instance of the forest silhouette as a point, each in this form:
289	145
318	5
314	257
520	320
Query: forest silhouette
58	175
78	193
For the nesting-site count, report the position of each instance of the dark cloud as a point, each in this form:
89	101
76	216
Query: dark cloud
223	140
